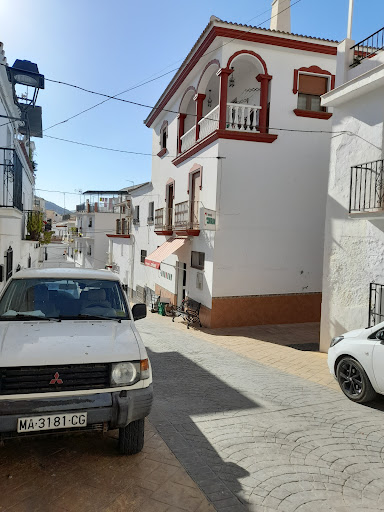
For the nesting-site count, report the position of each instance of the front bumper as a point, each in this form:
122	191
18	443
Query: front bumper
115	409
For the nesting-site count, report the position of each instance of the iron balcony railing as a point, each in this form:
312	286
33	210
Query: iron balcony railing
163	219
367	187
187	215
368	47
376	304
12	172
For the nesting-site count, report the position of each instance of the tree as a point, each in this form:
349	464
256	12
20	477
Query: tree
35	228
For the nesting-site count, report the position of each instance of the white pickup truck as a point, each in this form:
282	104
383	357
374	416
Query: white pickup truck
71	357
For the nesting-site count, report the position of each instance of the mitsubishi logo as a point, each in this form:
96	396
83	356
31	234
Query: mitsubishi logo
56	379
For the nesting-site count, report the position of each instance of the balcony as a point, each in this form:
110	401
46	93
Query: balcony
368	48
367	190
163	221
187	218
239	118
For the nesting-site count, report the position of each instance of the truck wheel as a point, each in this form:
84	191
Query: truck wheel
131	438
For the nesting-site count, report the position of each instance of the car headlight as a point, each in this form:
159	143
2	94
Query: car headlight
336	340
124	374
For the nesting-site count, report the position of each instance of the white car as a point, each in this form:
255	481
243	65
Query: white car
71	357
356	359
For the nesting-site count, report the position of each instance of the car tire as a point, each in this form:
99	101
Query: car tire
131	438
354	381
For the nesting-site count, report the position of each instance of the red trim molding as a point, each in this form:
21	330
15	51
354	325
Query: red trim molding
312	69
214	61
195	168
312	113
118	236
162	152
190	88
187	232
275	40
165	232
224	134
249	52
241	35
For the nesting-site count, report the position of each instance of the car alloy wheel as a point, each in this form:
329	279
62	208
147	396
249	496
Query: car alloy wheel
353	381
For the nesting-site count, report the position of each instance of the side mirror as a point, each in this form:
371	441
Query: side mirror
139	311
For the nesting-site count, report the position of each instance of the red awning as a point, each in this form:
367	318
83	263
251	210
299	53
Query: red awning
162	252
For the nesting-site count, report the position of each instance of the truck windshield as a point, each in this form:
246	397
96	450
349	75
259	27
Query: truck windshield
63	298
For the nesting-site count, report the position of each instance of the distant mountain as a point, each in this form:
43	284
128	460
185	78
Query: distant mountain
56	208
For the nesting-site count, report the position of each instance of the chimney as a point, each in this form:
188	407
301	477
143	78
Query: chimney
281	15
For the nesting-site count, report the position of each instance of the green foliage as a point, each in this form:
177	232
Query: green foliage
47	237
35	228
35	225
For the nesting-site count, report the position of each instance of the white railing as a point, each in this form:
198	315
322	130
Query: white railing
209	123
242	117
188	139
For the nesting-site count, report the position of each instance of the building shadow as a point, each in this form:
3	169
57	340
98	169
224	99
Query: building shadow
190	404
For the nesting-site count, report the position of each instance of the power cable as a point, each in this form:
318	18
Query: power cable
115	97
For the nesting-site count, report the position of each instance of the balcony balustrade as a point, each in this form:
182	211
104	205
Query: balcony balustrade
367	188
209	123
164	221
239	117
188	139
242	117
187	218
369	47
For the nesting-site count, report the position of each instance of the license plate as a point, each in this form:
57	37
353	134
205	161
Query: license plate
51	422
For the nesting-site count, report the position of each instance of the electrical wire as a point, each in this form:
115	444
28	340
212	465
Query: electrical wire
115	97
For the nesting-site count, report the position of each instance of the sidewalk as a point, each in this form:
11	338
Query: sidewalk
268	345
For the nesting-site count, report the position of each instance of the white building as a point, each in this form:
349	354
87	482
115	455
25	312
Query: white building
354	235
239	191
16	184
134	234
95	218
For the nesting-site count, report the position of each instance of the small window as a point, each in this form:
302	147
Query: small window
164	135
310	89
90	222
118	227
143	255
136	218
89	250
151	212
124	229
197	260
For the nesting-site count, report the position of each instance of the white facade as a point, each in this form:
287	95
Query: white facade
265	186
16	185
354	235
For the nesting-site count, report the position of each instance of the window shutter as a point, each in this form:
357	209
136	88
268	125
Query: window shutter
316	85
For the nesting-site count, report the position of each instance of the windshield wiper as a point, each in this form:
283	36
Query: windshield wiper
20	316
89	317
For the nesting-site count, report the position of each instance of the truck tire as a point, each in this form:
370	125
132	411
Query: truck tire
131	438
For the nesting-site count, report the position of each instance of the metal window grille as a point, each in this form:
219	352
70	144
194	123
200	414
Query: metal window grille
8	262
367	187
376	304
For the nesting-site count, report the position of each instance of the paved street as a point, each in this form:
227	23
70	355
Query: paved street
252	436
256	438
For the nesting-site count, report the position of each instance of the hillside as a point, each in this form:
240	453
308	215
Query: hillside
58	209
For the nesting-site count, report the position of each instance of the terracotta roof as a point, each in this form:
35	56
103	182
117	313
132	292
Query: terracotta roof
276	31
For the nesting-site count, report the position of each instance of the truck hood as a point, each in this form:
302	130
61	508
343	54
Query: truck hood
34	343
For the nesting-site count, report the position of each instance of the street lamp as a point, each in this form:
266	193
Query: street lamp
24	72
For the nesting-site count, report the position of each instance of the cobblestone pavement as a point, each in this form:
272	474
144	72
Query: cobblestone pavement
255	437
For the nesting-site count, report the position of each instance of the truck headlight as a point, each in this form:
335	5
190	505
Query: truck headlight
336	340
124	374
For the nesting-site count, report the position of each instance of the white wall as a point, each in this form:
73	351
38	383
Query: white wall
354	247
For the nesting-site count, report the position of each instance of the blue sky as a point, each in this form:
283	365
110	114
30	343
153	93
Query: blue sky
111	46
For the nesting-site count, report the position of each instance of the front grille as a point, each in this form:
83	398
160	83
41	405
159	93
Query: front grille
36	379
